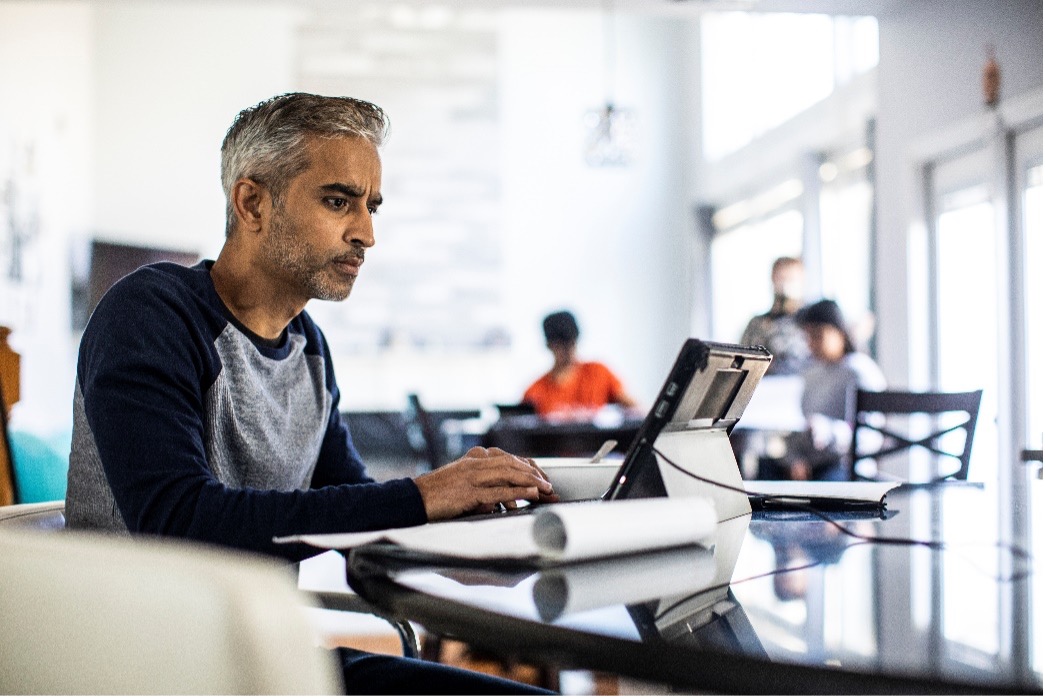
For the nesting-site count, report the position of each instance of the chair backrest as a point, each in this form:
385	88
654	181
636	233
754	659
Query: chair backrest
8	489
427	427
10	375
871	407
92	614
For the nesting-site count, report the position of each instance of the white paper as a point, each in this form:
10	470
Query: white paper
560	532
775	406
596	584
860	491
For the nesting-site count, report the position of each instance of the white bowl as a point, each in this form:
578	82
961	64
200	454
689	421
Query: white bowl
579	479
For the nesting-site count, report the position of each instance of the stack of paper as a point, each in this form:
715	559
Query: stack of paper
555	533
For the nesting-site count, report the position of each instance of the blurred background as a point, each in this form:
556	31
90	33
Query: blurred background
641	162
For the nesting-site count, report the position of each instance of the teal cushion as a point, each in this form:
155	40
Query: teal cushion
41	466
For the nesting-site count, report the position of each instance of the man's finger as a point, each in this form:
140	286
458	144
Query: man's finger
505	462
493	478
539	470
505	494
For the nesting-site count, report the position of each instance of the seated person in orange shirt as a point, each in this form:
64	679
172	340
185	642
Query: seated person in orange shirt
572	387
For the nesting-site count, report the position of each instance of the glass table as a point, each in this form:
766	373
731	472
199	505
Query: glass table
781	602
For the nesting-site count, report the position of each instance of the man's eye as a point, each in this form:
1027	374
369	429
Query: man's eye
372	210
337	202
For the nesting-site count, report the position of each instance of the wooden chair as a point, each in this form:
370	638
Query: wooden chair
8	483
10	375
868	409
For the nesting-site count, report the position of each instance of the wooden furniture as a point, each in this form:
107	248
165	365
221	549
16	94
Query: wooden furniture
10	368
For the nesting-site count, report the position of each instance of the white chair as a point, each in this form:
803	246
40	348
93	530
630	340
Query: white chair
91	614
43	516
339	613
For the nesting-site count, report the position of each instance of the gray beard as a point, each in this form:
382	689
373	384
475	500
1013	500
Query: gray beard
286	252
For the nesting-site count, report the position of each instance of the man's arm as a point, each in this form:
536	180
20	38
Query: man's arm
142	372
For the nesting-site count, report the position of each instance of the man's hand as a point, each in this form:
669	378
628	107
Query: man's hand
481	480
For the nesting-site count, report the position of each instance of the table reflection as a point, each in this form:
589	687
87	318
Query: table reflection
789	588
664	594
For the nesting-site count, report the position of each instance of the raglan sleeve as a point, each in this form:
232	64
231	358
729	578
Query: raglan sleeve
145	362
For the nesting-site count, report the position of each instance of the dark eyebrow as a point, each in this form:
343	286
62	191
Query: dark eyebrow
346	189
351	191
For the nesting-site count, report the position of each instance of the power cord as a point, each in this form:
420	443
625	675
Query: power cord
1015	551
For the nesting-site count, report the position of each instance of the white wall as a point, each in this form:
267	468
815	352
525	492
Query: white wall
170	76
46	64
613	243
929	75
122	106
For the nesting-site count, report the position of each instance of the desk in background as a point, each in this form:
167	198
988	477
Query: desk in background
838	616
533	436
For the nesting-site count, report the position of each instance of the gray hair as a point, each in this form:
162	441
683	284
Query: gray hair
267	142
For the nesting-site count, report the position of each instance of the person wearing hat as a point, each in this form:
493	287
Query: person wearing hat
837	370
573	388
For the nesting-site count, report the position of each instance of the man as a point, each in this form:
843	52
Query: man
206	405
573	388
776	329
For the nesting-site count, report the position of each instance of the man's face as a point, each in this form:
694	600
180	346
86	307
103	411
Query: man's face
317	239
788	281
562	352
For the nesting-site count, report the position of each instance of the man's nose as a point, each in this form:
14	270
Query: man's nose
361	232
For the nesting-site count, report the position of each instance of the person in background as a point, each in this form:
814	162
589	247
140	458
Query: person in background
572	387
776	330
838	369
205	404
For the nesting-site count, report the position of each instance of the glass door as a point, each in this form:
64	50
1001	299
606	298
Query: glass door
966	293
984	215
1030	199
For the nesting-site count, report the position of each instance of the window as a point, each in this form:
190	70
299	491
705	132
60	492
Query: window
741	260
846	199
785	63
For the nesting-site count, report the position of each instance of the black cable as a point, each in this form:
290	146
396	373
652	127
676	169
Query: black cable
1016	551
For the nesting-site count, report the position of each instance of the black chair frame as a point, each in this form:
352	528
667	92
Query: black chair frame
428	427
865	403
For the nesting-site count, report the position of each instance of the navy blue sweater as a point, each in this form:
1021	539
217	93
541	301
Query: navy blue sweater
187	424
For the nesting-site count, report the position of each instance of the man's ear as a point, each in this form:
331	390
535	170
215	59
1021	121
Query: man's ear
252	203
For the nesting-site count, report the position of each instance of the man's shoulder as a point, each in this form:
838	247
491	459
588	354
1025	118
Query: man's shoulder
157	295
160	278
